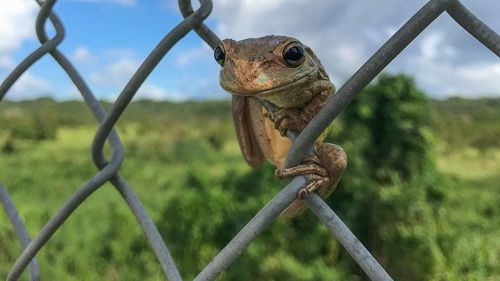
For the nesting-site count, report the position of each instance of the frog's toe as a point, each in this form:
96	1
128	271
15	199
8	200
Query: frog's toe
315	183
301	170
297	207
318	179
315	174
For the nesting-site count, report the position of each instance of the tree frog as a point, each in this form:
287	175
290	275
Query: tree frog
286	73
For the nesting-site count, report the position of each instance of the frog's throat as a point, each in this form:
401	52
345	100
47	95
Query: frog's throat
299	81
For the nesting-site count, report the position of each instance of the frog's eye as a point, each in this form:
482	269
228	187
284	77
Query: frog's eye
219	55
293	54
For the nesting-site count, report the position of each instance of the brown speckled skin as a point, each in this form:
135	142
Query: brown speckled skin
255	69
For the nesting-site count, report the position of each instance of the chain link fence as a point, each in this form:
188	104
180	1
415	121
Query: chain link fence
109	168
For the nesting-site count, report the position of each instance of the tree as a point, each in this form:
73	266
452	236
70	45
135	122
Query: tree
391	188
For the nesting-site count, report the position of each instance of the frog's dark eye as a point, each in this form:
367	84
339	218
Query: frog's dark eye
293	54
219	55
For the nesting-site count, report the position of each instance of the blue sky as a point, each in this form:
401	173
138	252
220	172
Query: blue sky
108	39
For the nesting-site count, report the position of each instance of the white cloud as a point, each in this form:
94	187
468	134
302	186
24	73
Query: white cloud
445	80
440	73
429	45
152	92
29	86
119	53
82	54
5	61
124	3
16	25
155	92
351	57
433	46
115	74
484	77
445	59
186	58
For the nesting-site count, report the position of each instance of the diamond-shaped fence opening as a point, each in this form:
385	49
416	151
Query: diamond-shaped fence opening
109	169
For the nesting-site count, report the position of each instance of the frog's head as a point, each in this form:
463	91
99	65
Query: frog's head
262	66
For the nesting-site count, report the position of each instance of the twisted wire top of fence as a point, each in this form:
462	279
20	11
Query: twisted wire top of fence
109	168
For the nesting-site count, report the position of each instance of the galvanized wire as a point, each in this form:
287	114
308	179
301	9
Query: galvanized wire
346	238
475	26
249	232
108	169
20	229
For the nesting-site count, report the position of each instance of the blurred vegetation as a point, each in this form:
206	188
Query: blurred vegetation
420	191
391	148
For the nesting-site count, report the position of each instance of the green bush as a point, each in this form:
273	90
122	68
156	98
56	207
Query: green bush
205	215
391	188
32	128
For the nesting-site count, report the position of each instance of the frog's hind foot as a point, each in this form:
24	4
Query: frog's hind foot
315	174
315	182
331	158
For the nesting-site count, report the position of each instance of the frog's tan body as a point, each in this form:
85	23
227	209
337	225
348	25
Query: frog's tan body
254	69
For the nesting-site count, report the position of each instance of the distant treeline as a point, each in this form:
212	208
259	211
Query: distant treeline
456	121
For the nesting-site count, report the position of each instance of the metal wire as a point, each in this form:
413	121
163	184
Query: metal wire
353	246
108	170
254	227
20	229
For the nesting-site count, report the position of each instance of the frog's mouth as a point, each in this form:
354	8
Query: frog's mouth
280	88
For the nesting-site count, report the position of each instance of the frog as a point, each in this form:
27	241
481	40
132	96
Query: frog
283	72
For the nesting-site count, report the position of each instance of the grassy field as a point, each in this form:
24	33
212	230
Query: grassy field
470	218
165	152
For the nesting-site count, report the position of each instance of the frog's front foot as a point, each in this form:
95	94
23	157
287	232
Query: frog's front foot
315	174
290	119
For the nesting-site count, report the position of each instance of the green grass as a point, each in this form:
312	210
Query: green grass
470	163
41	176
470	218
102	240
